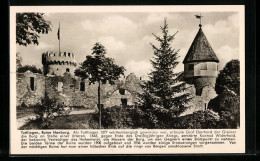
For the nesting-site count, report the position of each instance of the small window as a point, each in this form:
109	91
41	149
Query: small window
57	68
60	86
191	67
82	86
215	67
67	69
69	54
203	66
122	91
32	83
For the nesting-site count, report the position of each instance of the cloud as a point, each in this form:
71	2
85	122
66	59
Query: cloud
155	18
223	31
138	67
225	54
44	46
115	25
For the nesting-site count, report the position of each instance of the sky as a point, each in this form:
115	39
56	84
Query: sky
127	36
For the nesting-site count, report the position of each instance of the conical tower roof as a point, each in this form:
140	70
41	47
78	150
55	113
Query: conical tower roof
200	50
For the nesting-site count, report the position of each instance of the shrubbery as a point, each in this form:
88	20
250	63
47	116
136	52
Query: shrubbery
118	117
47	110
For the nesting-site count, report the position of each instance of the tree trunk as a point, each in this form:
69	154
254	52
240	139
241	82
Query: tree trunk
99	106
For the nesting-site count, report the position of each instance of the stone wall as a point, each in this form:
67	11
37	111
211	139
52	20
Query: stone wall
25	95
199	102
67	90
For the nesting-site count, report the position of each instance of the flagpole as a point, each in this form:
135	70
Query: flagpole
59	37
200	18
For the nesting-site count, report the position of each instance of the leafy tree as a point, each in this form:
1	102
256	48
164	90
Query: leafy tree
160	99
18	60
31	68
229	78
227	103
99	69
29	26
198	120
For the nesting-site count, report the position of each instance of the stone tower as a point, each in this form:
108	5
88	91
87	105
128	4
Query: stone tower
200	63
59	63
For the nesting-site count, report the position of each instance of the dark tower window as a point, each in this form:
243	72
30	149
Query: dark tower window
32	83
82	86
67	69
122	91
191	67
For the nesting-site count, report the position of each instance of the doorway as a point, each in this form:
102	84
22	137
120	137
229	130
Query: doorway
124	102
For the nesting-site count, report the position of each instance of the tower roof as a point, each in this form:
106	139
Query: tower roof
200	50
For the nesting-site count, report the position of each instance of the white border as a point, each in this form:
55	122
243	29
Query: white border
15	134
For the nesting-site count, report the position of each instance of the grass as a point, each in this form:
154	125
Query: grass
23	112
80	121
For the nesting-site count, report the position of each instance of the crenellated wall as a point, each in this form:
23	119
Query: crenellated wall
59	63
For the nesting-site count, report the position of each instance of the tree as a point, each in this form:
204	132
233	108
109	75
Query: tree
160	99
229	78
18	61
227	103
99	69
32	68
29	26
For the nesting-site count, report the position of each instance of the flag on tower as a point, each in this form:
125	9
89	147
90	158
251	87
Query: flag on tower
198	16
58	34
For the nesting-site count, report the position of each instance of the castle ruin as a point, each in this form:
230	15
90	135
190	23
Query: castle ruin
58	81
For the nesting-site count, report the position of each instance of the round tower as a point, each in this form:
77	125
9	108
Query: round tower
201	63
56	63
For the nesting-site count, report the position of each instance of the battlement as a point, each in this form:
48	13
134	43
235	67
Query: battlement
62	58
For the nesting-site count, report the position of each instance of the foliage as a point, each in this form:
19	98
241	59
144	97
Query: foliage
118	117
29	26
198	120
47	111
160	101
18	60
80	121
31	68
227	104
229	78
98	68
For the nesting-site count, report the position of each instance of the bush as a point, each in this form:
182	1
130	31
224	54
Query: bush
118	117
47	110
198	120
32	68
227	104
